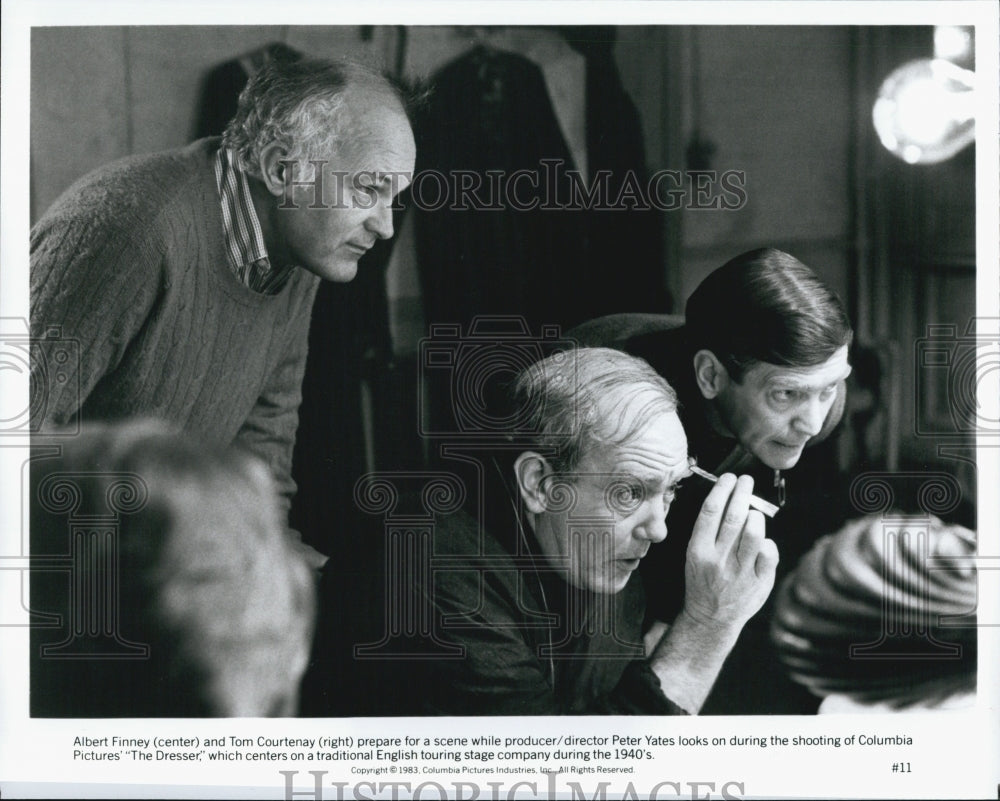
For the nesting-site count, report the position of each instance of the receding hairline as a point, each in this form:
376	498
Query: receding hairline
359	103
637	402
592	397
308	104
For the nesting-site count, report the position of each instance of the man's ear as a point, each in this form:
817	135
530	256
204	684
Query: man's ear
530	470
272	168
709	373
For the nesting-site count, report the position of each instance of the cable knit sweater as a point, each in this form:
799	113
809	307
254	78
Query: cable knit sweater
130	263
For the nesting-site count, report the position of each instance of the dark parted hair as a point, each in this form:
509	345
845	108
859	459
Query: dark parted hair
766	306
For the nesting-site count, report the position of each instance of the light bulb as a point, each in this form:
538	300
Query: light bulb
956	43
925	111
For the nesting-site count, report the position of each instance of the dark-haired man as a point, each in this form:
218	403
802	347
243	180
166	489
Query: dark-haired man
188	277
759	364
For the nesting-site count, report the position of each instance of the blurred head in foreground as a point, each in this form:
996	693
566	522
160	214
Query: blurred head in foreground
206	579
881	617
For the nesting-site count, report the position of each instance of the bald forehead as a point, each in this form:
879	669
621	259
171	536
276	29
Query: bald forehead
373	92
625	411
377	122
654	452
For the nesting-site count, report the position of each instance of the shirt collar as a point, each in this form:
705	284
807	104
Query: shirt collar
244	239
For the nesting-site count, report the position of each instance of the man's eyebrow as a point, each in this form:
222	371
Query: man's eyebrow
623	474
797	382
653	479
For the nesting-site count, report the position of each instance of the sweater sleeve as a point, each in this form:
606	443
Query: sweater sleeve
506	678
637	693
500	670
94	281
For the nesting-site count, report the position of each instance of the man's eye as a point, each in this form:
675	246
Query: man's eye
828	393
784	395
624	497
671	492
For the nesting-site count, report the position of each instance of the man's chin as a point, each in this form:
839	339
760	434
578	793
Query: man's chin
340	271
607	585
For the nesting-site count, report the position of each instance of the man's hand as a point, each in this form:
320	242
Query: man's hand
730	565
729	574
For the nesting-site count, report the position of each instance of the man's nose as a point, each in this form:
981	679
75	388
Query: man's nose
810	417
654	527
379	221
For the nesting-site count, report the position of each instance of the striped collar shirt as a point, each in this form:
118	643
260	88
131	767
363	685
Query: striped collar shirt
244	239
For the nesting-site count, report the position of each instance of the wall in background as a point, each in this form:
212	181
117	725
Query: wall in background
101	93
787	106
775	102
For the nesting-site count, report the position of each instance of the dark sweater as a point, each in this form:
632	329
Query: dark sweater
130	263
464	624
507	613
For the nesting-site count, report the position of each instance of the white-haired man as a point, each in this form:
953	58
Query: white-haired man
540	601
187	277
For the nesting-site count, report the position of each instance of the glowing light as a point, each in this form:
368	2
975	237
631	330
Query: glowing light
925	111
954	43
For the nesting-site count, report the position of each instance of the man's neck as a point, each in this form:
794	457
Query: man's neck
266	206
715	421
